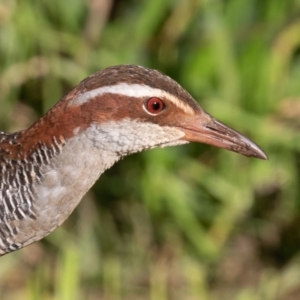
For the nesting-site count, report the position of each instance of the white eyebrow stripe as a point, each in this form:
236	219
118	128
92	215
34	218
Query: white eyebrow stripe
131	90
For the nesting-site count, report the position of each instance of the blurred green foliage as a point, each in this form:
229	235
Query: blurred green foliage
189	222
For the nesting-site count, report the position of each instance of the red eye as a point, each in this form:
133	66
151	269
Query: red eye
154	105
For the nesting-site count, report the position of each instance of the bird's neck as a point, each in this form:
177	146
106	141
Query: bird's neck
41	187
45	173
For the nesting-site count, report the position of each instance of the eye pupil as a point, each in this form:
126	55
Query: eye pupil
154	105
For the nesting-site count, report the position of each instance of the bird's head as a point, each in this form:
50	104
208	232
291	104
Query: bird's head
135	108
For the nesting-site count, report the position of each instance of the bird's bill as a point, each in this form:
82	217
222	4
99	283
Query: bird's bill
215	133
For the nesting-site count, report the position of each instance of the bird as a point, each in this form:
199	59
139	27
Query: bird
46	169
